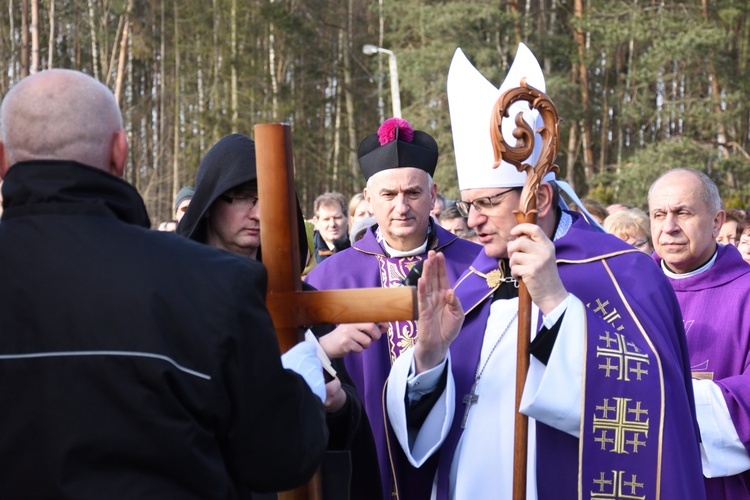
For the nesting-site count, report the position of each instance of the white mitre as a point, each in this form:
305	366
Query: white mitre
471	99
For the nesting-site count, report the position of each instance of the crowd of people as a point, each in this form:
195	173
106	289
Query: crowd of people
338	222
142	364
342	223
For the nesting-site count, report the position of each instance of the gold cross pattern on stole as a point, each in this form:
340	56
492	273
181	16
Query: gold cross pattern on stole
620	485
615	430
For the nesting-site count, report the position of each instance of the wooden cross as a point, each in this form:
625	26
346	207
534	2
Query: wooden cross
289	306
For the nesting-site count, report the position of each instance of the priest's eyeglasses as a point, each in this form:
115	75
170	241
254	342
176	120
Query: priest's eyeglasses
242	201
480	204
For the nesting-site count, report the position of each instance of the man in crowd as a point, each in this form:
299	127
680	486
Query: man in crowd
593	207
398	163
452	221
608	392
182	201
134	364
439	206
225	214
331	225
712	284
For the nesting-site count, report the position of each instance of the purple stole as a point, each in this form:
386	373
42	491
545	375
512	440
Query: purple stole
639	438
401	334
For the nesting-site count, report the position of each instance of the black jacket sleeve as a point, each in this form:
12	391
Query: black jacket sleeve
276	433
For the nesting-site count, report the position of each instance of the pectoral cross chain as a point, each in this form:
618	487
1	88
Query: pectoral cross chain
470	399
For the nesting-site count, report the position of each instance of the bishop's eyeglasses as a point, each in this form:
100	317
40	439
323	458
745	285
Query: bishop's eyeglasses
480	204
242	201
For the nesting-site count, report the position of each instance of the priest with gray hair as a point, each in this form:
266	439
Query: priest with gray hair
397	163
712	284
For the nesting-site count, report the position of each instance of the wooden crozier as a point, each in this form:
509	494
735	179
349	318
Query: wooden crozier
527	213
289	306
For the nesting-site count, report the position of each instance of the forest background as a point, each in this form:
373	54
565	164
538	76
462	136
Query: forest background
641	86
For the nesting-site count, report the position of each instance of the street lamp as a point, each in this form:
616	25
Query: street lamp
395	94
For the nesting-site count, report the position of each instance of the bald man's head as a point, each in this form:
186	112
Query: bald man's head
62	114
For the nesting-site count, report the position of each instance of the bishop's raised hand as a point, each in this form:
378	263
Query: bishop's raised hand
440	314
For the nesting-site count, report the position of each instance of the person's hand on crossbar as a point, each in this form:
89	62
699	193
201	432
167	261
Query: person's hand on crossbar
351	337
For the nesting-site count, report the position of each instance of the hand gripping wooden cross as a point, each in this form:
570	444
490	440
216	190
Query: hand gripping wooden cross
289	306
527	213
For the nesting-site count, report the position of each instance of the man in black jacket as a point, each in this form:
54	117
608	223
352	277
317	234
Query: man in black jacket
331	225
133	363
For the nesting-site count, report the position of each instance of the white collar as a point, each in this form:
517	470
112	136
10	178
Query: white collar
409	253
708	265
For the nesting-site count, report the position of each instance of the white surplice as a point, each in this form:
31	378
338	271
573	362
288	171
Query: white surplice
483	463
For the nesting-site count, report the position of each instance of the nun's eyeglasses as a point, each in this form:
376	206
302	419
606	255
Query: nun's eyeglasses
241	201
480	204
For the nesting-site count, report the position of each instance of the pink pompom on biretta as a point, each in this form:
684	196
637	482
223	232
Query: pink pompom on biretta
387	131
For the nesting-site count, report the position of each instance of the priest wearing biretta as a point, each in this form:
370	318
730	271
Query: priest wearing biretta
397	163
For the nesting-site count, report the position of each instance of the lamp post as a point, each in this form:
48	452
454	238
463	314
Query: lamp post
395	94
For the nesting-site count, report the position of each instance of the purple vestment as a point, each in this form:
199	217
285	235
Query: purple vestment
717	324
365	265
639	438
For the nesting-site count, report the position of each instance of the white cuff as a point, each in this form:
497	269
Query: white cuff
553	392
425	382
421	445
722	452
303	360
552	317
